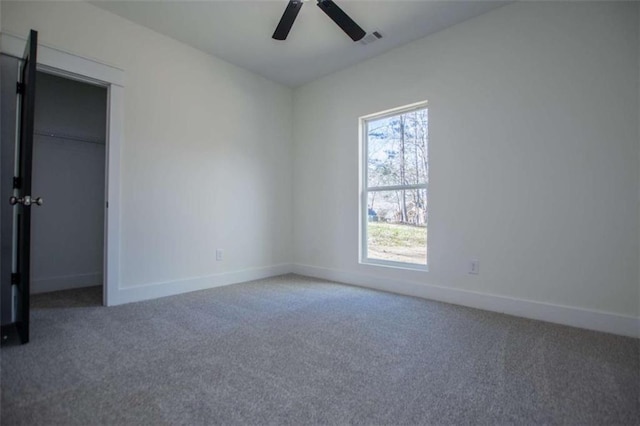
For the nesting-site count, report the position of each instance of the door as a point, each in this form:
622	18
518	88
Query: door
22	199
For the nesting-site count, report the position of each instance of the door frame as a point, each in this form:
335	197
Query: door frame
58	62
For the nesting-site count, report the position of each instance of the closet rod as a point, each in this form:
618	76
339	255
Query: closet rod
69	137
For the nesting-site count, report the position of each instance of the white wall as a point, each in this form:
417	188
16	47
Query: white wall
206	160
534	159
68	229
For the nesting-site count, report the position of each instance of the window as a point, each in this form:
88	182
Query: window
395	177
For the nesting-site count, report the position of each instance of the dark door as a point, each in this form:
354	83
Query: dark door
22	200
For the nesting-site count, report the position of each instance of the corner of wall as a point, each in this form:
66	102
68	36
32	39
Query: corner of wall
292	162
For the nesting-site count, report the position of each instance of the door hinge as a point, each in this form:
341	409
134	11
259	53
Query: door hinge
17	182
20	88
15	278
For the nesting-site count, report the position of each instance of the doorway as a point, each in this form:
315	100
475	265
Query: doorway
78	69
69	173
15	167
69	152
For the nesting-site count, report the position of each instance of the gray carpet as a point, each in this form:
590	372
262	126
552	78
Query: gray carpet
294	350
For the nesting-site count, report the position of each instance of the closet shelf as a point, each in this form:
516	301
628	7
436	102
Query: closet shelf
69	137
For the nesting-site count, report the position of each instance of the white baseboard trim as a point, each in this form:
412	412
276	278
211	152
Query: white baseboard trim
172	288
559	314
67	282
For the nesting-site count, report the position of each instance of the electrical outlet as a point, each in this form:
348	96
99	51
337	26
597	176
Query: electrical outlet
474	266
219	254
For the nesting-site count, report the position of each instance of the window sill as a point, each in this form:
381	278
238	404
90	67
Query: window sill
395	265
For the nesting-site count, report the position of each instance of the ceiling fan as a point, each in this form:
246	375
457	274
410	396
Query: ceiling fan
332	10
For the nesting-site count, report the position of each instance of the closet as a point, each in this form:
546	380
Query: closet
69	171
69	162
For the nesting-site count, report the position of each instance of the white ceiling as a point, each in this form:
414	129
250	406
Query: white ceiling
239	31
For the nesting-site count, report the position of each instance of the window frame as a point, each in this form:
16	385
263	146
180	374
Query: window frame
364	189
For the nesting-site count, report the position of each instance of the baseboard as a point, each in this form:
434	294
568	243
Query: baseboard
67	282
559	314
172	288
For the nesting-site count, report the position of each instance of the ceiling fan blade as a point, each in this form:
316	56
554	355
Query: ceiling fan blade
343	20
287	20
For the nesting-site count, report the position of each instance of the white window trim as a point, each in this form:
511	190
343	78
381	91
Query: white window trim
363	132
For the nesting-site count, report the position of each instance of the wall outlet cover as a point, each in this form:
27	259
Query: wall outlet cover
474	267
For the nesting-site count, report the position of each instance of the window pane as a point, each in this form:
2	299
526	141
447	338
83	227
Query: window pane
397	150
397	226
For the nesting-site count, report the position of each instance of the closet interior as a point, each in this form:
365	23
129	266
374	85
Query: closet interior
69	172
